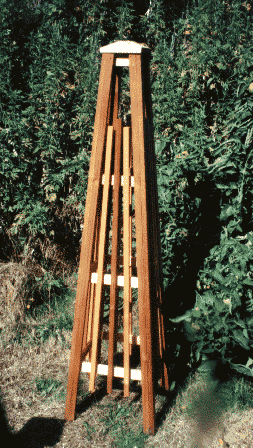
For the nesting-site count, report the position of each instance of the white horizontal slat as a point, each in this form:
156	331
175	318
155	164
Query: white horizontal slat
102	369
122	180
122	62
120	280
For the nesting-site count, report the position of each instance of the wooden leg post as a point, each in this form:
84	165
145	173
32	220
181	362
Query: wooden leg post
126	242
114	257
142	242
101	255
83	283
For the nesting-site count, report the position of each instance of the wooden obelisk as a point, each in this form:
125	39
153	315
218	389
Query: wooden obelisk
122	164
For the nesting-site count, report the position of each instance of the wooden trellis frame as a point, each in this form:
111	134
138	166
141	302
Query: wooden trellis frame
135	146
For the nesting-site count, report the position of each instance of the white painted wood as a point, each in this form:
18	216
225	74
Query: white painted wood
124	46
122	180
102	369
122	62
135	339
120	280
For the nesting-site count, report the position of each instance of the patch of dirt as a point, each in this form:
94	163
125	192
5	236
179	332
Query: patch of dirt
199	420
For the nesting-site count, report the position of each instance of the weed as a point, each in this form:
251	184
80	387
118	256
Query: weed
129	439
47	387
90	430
115	420
114	416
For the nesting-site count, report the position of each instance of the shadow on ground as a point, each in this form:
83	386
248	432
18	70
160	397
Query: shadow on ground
38	432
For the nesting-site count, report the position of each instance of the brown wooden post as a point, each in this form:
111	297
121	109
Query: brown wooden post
142	240
114	258
91	206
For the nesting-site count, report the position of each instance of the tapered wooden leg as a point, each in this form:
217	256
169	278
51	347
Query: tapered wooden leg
154	220
130	259
126	246
81	309
101	255
114	261
142	243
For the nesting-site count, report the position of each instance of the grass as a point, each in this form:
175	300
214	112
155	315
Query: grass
34	360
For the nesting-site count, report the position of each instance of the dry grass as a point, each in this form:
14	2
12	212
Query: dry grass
33	384
12	278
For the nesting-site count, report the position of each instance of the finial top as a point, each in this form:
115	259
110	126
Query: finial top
124	46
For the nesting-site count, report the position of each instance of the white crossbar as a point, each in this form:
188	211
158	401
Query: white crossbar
102	369
122	62
120	280
122	180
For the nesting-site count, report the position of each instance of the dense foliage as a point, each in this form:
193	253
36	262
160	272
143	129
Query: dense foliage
202	91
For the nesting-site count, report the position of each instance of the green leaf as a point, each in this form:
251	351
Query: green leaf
196	313
242	369
245	333
241	339
240	323
219	306
249	362
164	179
216	274
248	282
227	211
185	317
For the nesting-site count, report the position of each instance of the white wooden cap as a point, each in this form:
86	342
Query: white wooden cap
124	46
